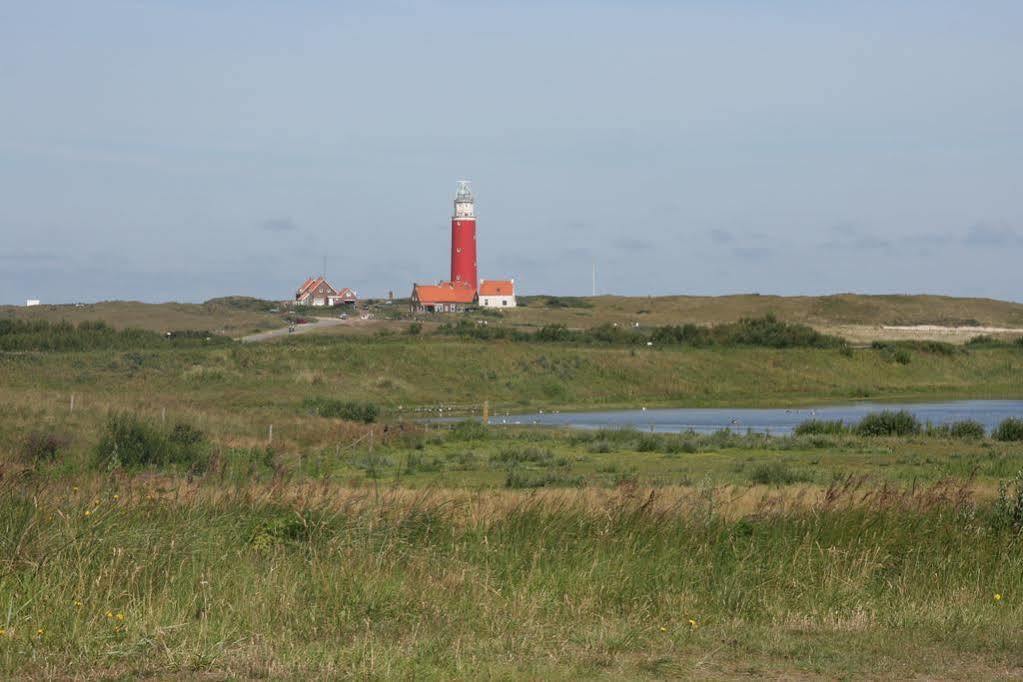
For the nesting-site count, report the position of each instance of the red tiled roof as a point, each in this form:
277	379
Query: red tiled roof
311	284
497	287
445	292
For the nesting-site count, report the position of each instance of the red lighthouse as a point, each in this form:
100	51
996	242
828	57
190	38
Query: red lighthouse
463	237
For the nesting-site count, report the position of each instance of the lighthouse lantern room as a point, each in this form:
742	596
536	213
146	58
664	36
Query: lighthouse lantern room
463	237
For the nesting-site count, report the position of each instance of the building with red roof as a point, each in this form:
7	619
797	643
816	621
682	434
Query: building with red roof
462	290
445	297
496	293
317	291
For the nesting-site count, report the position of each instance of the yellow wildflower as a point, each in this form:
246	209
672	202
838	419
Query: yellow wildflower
39	632
664	629
116	498
78	603
692	624
88	512
110	614
74	489
120	616
998	597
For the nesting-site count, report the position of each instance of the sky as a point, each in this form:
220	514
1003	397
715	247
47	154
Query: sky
183	150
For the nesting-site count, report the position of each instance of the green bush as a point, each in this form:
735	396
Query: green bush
349	410
984	340
967	429
1009	430
537	456
284	529
130	442
888	423
415	329
469	429
821	427
648	443
777	473
1009	507
765	331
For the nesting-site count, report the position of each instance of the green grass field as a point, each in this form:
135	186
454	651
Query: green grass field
396	549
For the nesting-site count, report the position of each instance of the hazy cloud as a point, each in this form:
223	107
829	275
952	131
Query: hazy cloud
633	244
751	252
847	236
993	235
279	225
29	257
719	236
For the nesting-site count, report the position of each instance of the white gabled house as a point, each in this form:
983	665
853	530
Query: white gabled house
497	293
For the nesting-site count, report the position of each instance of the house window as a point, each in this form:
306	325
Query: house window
504	302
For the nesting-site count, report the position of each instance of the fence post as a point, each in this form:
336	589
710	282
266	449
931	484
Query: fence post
270	435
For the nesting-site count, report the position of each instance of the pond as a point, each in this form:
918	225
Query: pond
778	421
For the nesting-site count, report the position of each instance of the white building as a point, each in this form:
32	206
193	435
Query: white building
31	302
497	293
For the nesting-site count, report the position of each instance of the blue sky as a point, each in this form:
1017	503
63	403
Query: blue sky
158	150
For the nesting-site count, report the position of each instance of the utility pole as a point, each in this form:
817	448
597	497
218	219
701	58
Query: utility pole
594	290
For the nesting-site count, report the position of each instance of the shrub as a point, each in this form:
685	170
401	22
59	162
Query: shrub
1009	507
284	529
415	329
349	410
130	442
43	446
901	356
538	456
821	427
1009	430
983	340
888	423
648	443
777	473
469	429
416	462
967	429
568	302
522	479
770	332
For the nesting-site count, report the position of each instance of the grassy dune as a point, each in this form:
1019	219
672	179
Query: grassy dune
231	316
238	316
817	311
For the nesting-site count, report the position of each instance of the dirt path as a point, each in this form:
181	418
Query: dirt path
319	323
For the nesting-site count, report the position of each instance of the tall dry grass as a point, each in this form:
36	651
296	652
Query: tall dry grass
162	576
